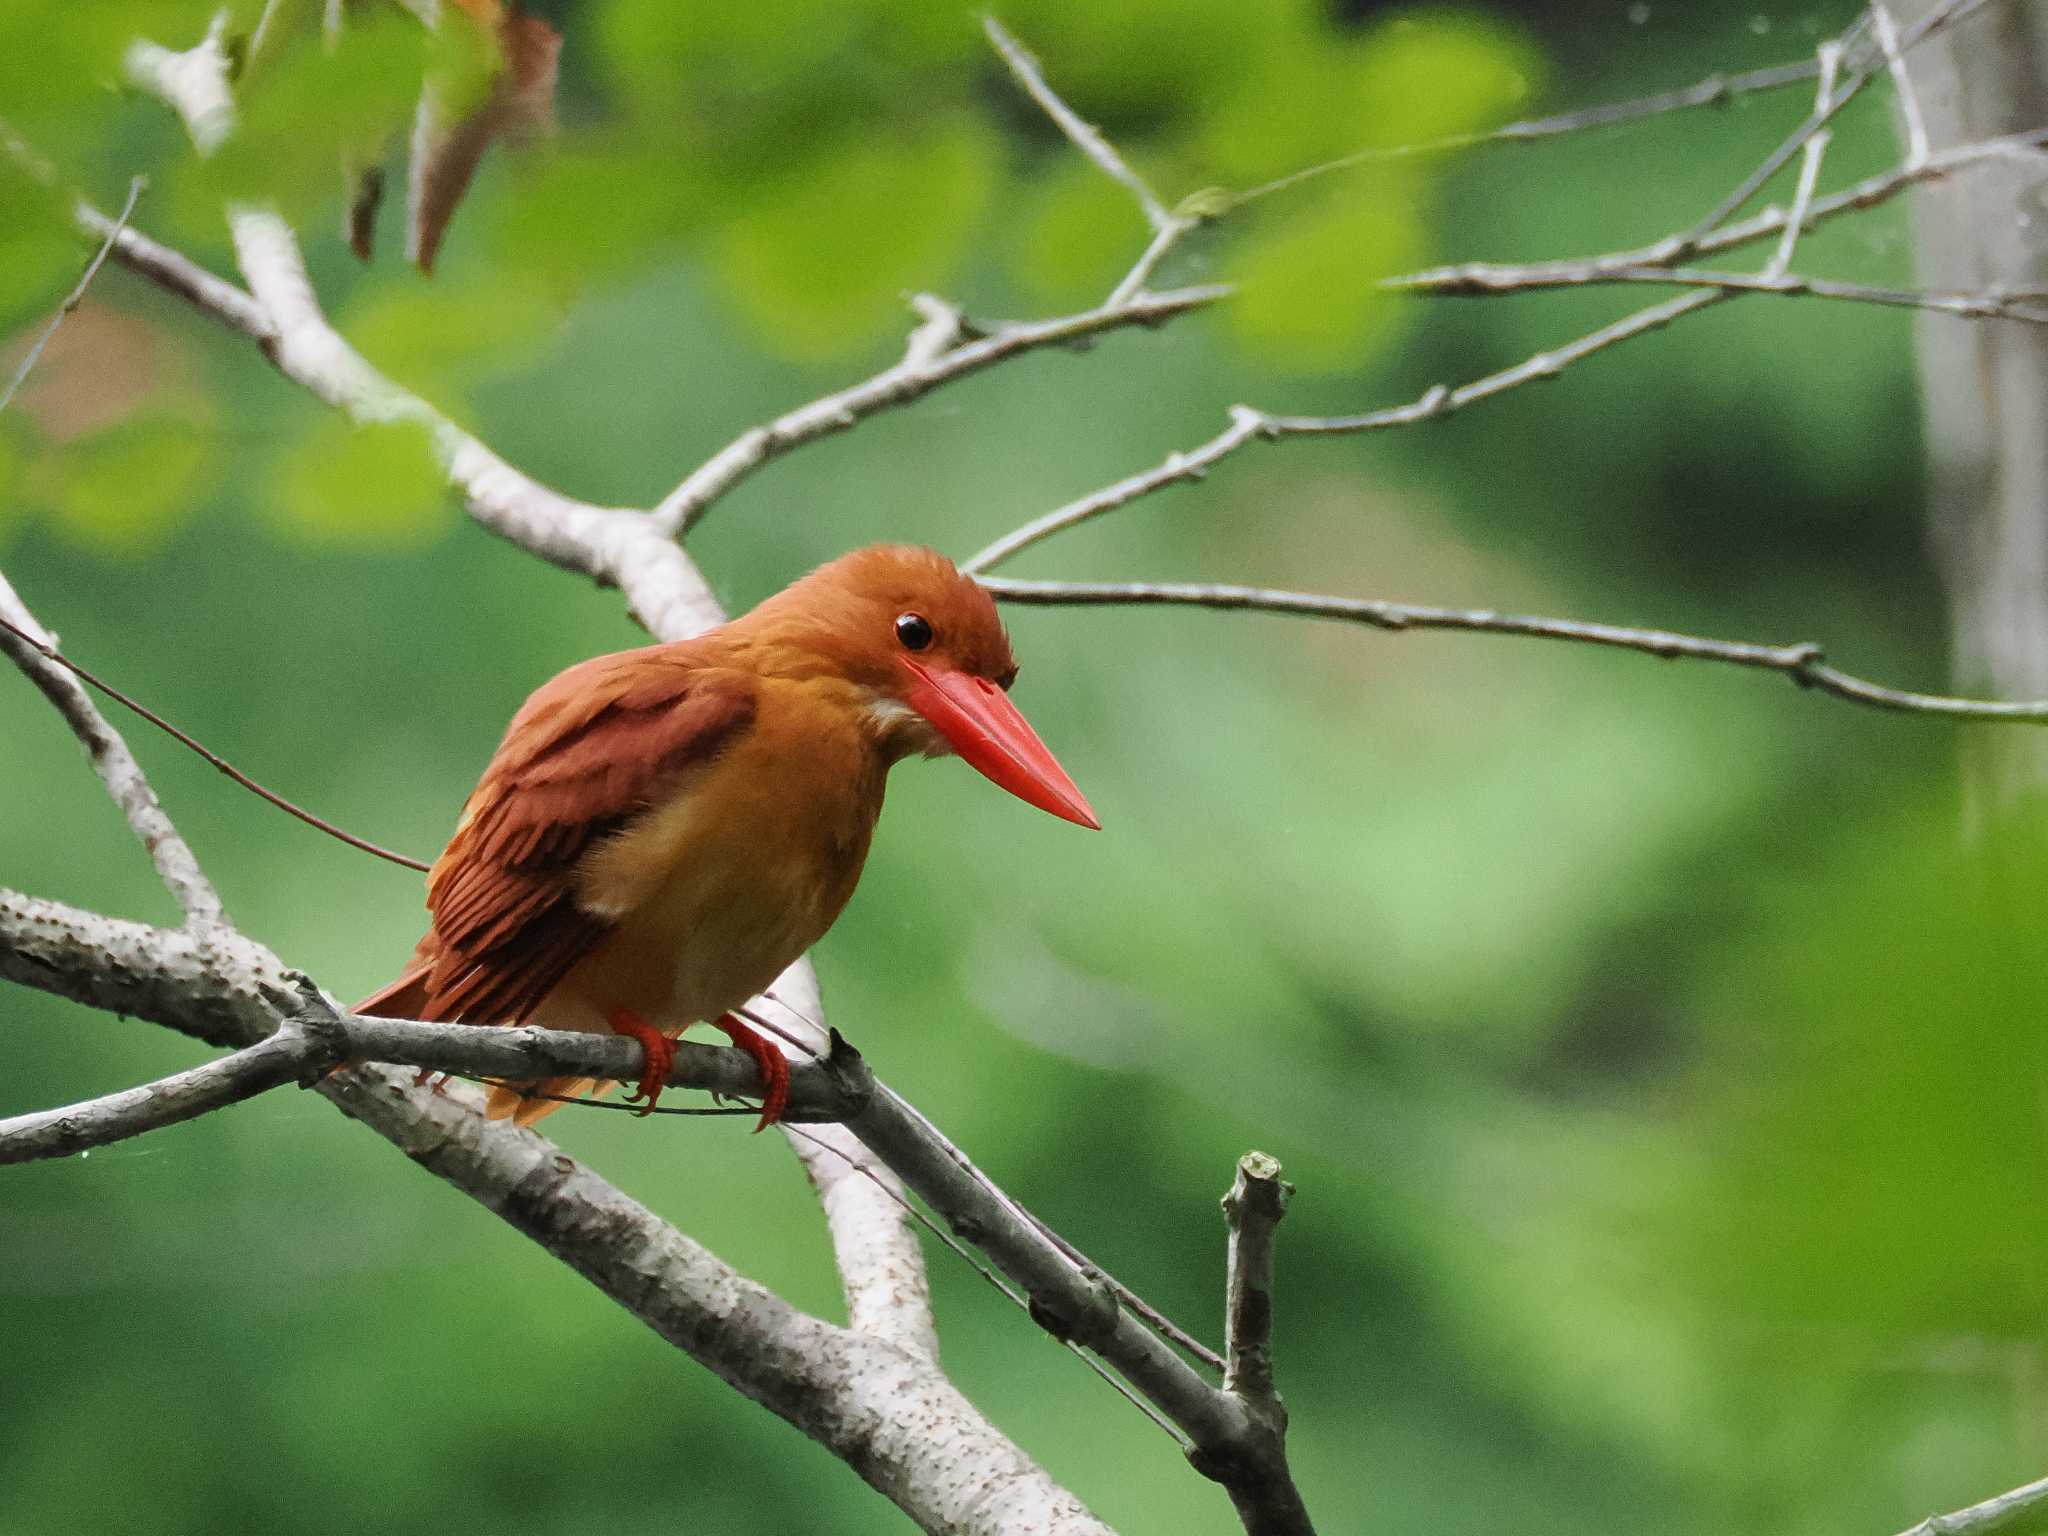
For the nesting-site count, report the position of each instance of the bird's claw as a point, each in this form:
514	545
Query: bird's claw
774	1067
660	1052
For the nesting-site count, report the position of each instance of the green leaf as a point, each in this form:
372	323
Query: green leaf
123	491
39	251
377	487
821	259
592	206
314	111
1308	295
1300	101
11	490
1437	73
440	339
656	48
1151	61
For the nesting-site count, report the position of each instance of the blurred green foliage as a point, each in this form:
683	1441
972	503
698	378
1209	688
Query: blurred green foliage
1658	1061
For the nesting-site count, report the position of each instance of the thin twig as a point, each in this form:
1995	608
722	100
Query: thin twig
77	295
290	1055
49	652
1132	283
1902	84
1828	59
2028	307
1168	225
1083	134
1248	424
26	643
915	376
1823	113
1714	91
1802	663
1872	191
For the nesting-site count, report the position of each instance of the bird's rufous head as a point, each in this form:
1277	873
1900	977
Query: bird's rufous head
929	662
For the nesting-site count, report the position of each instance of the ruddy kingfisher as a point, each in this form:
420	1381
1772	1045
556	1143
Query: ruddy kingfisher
662	831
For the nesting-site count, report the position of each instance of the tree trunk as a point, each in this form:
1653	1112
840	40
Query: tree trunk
1985	383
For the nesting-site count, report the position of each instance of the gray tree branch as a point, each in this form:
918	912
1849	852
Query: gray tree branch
888	1412
176	866
1803	662
1252	1209
924	368
1994	1514
287	1056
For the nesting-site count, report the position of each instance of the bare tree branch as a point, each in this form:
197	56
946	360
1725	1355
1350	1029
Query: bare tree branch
1827	61
175	863
1168	225
1228	1443
1993	1514
922	370
76	296
881	1268
1828	105
1248	424
1801	662
179	276
287	1056
1871	192
1902	84
1252	1209
1079	131
316	1039
147	972
1715	90
887	1412
2030	308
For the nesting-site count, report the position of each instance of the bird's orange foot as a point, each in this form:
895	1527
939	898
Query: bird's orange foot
773	1064
660	1052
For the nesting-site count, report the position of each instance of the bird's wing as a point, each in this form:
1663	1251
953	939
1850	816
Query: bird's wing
592	749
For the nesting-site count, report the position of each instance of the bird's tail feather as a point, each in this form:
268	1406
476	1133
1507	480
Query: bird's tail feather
523	1104
404	998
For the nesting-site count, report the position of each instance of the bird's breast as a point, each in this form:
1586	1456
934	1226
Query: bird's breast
722	885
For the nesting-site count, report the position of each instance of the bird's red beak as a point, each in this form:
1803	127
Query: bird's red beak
985	728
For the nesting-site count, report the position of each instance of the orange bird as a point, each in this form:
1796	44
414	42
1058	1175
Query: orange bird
662	831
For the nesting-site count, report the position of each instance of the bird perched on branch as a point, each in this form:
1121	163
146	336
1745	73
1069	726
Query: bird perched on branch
662	831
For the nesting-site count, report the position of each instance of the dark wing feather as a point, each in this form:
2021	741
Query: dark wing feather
592	749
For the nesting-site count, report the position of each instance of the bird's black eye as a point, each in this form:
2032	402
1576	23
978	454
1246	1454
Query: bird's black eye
914	630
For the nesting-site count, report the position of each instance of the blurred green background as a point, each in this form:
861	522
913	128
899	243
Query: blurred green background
1657	1059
